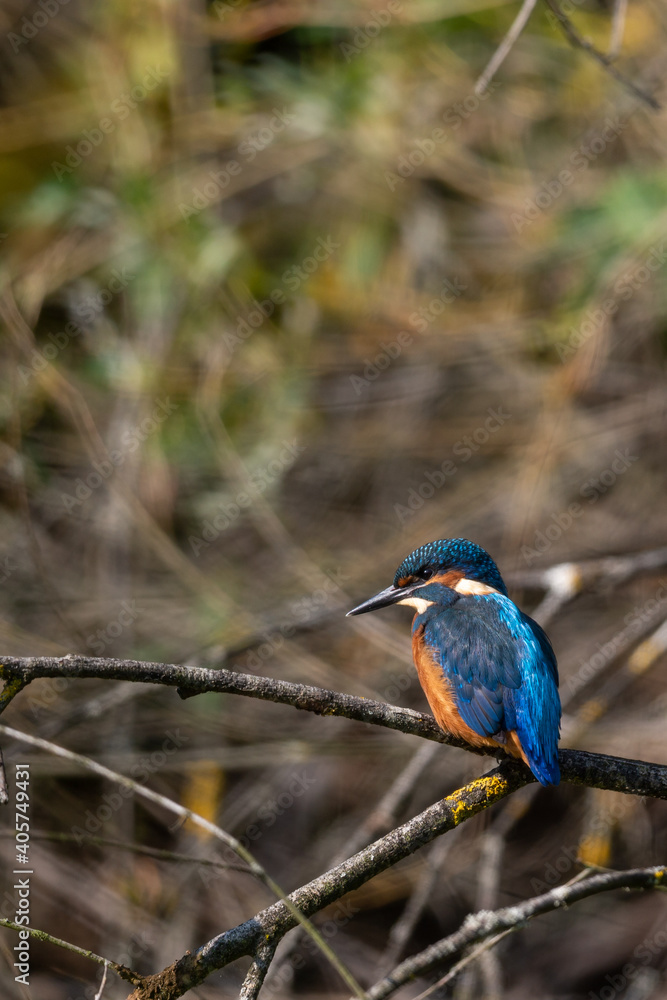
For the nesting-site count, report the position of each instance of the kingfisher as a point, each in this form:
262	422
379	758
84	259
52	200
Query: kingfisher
488	671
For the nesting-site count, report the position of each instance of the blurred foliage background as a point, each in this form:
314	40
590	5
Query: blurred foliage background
282	298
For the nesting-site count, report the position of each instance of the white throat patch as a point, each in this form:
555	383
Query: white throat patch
474	587
419	603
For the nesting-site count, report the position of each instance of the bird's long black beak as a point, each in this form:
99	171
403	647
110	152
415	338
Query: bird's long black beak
381	600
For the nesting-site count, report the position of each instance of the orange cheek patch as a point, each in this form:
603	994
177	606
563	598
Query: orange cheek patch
456	580
448	579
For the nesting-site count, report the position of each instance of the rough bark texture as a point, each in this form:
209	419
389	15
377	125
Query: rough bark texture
265	929
487	923
272	923
578	766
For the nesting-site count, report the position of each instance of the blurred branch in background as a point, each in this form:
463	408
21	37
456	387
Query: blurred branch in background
503	49
606	61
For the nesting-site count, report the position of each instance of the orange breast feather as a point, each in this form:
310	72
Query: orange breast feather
440	697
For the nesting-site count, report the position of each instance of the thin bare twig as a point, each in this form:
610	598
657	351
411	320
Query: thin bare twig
614	570
489	868
121	970
593	770
579	42
652	646
617	28
211	828
463	963
486	946
98	995
482	925
564	582
256	974
503	49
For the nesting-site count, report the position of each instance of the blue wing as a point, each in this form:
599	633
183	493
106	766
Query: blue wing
503	674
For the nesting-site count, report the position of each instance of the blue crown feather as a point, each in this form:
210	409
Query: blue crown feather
453	553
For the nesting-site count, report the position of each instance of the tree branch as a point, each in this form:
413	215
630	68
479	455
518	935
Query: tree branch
614	570
501	53
256	974
606	62
484	924
617	28
380	819
121	970
269	926
580	767
273	923
9	692
98	995
216	831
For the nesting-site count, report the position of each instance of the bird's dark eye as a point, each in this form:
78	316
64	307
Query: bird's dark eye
424	574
